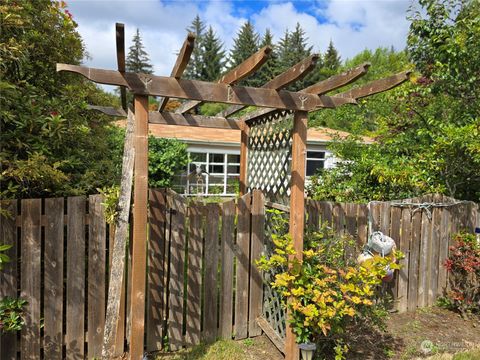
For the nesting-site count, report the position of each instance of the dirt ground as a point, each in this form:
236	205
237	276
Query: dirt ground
418	335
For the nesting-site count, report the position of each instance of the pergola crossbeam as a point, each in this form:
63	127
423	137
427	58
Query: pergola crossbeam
169	118
180	65
376	86
244	69
146	84
120	44
296	72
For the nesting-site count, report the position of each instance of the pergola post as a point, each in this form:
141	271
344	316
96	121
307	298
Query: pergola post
297	207
139	249
243	158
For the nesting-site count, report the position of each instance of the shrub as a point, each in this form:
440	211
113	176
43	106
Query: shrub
328	291
463	267
11	312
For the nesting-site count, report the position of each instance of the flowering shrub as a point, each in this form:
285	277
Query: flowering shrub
463	266
327	291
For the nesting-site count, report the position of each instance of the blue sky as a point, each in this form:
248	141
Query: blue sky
353	25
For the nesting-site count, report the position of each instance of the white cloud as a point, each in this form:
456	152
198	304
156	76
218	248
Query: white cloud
353	25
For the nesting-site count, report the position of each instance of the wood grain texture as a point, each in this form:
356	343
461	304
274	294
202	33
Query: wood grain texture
181	63
443	252
271	334
96	276
289	76
338	81
376	86
244	69
242	266
414	260
120	44
53	293
226	296
243	159
115	317
30	277
8	275
156	270
297	207
144	84
362	224
405	236
256	249
192	120
194	274
139	246
178	208
210	313
75	335
425	269
434	255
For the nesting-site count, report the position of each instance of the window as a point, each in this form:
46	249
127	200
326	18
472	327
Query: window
315	161
213	174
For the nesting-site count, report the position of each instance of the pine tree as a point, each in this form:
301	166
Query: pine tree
195	65
137	59
332	59
270	68
244	45
283	52
213	56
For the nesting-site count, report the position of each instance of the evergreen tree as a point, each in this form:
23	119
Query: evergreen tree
195	65
244	45
137	59
213	56
332	59
270	68
283	52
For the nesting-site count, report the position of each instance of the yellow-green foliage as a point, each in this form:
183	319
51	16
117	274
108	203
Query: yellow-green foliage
327	290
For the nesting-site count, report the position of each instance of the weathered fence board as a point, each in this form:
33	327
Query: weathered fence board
242	266
30	277
194	280
53	295
96	276
75	335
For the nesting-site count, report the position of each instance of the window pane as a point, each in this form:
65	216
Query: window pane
219	169
316	154
313	166
233	185
193	167
216	179
202	157
219	158
234	158
215	189
233	169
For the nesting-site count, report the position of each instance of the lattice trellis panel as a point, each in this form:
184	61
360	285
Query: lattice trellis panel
269	154
273	310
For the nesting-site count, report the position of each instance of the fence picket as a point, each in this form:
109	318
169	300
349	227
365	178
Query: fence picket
425	267
413	260
30	277
435	254
443	253
96	276
75	335
210	315
242	266
177	261
362	223
194	275
53	293
8	276
405	234
226	297
155	273
256	279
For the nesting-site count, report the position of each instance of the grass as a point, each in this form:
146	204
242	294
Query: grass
220	350
464	355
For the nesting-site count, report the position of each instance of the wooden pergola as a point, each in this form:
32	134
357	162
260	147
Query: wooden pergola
271	98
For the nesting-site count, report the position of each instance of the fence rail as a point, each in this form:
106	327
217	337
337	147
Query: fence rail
202	282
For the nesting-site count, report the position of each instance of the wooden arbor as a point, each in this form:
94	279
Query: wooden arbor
270	97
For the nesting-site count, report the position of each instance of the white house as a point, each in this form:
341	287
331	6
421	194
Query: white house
216	152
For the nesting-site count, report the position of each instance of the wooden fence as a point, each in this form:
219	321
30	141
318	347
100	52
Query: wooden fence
422	229
201	280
